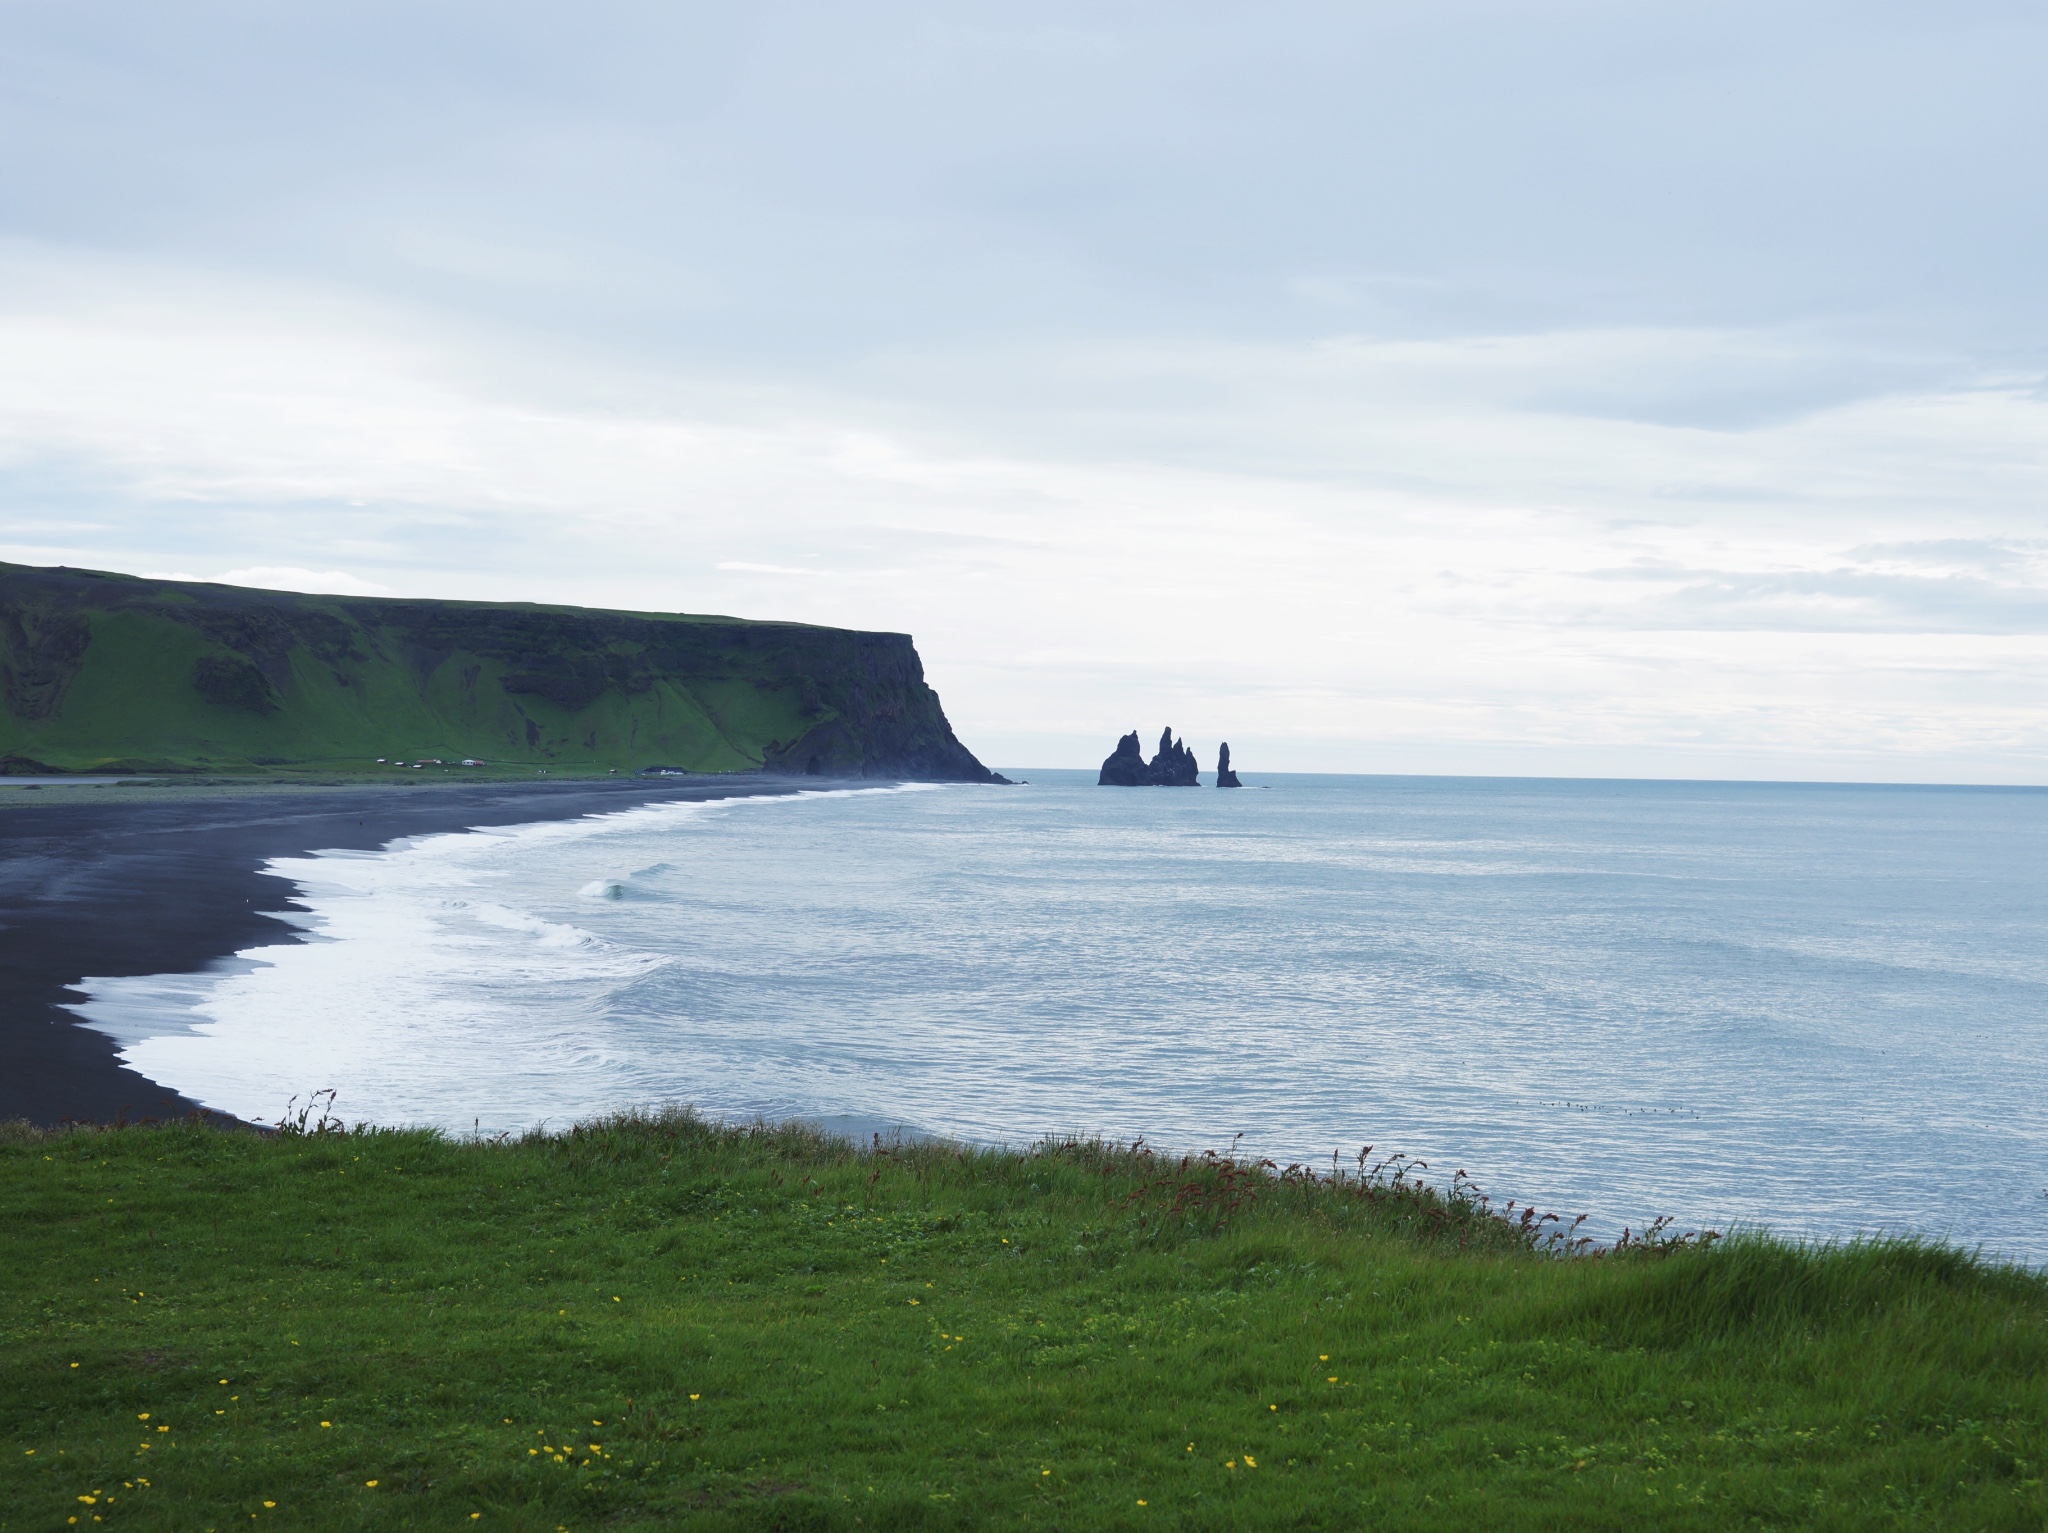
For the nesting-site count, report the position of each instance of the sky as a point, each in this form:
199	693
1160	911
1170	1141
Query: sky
1593	389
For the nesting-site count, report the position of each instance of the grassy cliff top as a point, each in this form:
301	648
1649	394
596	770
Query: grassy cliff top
661	1323
114	673
114	589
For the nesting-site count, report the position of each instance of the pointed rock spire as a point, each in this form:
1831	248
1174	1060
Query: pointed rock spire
1225	778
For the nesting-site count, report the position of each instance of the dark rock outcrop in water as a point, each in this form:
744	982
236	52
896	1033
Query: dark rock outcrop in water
1125	766
1225	778
1173	767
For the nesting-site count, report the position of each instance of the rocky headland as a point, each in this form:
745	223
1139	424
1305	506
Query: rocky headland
102	672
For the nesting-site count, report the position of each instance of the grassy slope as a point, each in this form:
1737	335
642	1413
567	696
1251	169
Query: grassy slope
660	1324
133	703
104	672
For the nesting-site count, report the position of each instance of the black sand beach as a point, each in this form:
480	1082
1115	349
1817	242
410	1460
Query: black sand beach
107	881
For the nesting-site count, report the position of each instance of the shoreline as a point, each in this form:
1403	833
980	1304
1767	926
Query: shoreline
109	881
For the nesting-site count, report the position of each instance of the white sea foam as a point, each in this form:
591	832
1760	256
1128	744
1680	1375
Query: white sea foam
433	989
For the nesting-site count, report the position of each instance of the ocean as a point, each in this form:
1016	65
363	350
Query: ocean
1821	1009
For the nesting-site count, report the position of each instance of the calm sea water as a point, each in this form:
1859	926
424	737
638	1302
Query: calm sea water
1824	1009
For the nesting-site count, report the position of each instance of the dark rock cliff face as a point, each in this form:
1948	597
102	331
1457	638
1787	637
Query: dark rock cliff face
1225	778
888	724
43	649
110	671
1173	767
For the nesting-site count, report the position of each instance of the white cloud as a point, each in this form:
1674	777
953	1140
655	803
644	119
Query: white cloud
315	582
1465	578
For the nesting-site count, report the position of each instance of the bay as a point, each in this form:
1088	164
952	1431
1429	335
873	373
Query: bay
1819	1008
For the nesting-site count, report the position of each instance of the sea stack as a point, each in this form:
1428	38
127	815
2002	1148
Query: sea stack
1173	767
1225	778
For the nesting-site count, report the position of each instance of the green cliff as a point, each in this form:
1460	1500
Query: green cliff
106	672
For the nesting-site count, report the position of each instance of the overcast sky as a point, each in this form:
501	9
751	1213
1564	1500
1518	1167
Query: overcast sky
1602	388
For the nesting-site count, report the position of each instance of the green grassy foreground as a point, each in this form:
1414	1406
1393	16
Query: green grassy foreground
660	1323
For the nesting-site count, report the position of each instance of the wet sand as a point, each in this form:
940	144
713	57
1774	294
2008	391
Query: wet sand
130	880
